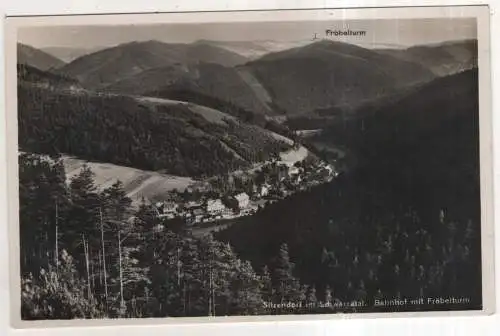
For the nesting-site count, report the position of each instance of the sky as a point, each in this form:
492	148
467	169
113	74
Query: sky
379	33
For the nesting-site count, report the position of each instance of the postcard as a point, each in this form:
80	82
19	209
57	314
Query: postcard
249	166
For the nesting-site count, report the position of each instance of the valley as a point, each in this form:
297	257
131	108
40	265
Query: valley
205	112
217	171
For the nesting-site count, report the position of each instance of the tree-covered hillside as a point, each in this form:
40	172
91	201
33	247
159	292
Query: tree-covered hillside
124	131
404	222
29	74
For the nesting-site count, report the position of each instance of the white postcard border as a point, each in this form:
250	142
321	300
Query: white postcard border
480	12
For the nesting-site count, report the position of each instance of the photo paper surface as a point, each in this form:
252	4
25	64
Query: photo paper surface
235	166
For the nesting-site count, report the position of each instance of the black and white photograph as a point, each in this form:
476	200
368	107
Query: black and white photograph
270	168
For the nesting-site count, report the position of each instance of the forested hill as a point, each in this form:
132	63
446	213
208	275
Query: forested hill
209	79
327	73
37	58
441	110
442	59
172	138
407	218
29	74
113	64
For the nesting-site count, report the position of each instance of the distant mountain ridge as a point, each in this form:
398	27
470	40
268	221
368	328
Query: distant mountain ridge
69	54
326	73
105	67
299	79
294	81
254	49
442	59
37	58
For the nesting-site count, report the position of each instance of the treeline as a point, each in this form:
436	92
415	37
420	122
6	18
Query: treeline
119	130
192	96
31	74
86	254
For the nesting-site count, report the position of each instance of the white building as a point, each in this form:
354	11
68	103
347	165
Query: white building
215	206
264	190
243	200
198	215
170	207
166	209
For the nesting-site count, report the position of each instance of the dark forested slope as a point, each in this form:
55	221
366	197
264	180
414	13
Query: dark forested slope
30	75
126	131
209	79
326	74
405	221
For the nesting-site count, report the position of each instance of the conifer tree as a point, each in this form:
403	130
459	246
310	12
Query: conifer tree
44	200
266	285
84	213
287	286
246	295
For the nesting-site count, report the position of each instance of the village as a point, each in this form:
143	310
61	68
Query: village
243	194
